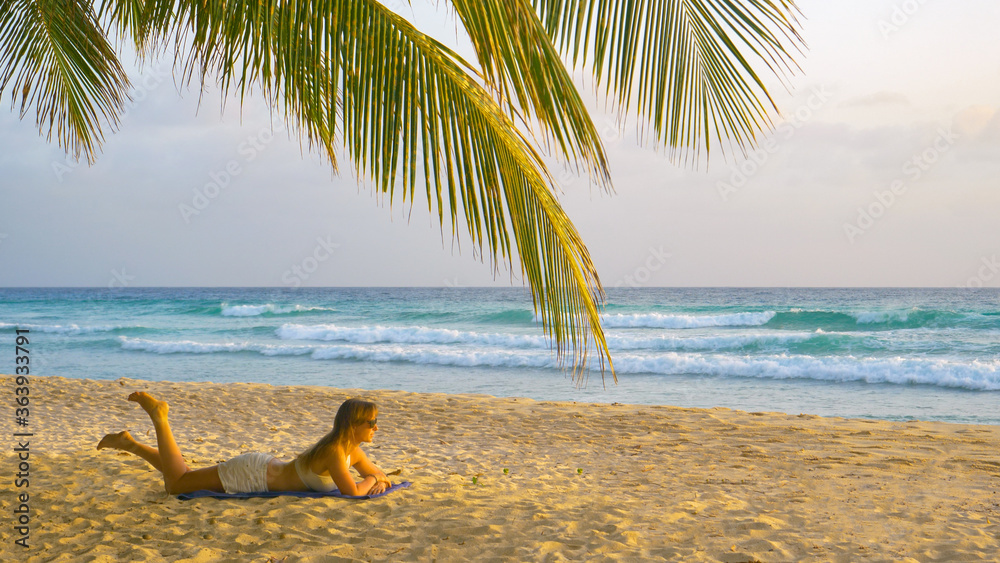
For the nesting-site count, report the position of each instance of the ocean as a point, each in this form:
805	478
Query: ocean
894	354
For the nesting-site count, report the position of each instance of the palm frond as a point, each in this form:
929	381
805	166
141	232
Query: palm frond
55	57
685	63
354	74
418	102
520	62
142	22
286	49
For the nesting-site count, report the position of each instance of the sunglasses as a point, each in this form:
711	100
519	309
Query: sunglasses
372	422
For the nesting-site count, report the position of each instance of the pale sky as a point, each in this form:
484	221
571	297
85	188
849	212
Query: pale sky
882	171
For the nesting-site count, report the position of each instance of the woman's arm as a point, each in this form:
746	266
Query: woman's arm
368	469
345	482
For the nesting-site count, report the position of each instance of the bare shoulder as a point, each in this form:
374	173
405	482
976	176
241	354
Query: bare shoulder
335	454
357	455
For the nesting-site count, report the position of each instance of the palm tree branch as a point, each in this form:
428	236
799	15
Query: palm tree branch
686	65
518	60
55	57
138	21
495	167
407	111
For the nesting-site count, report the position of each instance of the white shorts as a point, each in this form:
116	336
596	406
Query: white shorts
245	473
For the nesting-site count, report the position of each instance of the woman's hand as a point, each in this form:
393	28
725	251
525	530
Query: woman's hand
382	478
380	485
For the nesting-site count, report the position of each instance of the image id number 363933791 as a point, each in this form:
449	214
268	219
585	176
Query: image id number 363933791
22	437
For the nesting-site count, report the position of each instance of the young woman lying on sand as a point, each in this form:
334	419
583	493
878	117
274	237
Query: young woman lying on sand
323	467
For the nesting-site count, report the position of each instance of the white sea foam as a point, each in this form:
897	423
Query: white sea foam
659	320
975	375
434	355
438	356
405	335
192	347
722	342
426	335
983	376
66	329
870	317
268	308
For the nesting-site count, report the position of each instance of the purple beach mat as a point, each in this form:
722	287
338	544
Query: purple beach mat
303	494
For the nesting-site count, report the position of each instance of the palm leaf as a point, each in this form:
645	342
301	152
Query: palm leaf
519	61
686	64
409	114
412	114
60	62
141	21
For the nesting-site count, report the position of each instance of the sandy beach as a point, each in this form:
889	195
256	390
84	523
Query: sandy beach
553	482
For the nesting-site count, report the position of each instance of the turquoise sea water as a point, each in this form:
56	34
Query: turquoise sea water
930	354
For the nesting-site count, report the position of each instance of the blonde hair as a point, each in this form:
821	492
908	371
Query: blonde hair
350	413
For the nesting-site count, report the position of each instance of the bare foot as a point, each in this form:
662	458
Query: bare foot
154	408
120	441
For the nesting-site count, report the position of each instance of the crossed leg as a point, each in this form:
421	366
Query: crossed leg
166	457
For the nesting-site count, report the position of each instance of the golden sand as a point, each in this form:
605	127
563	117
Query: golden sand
553	482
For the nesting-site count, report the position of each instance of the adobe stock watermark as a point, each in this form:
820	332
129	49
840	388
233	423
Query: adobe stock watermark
566	178
912	170
740	175
221	179
151	80
989	270
656	258
610	131
297	274
899	17
119	279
